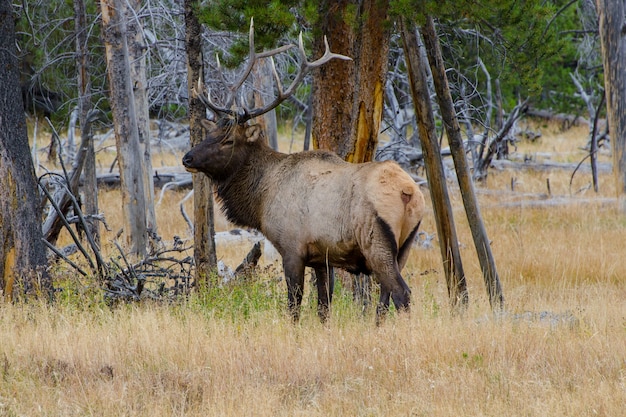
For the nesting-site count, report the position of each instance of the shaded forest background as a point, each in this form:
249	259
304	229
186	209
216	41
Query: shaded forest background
550	53
503	60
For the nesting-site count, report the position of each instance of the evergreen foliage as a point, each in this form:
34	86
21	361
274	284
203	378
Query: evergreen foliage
45	36
272	21
531	47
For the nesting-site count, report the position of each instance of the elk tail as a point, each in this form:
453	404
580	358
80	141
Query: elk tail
406	194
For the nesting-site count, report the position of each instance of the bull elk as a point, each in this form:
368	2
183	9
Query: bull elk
316	209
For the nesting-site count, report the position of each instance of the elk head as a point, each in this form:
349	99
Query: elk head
216	154
224	149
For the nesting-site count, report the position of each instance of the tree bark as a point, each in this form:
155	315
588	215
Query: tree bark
204	230
333	82
22	252
130	158
90	185
611	22
263	80
453	130
348	96
137	50
448	242
371	52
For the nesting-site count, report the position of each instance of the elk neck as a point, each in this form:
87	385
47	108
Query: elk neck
244	192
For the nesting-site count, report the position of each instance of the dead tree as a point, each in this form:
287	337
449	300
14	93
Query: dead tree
129	153
446	230
472	210
203	205
85	115
490	144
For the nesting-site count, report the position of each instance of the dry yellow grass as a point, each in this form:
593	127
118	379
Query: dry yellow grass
560	349
156	360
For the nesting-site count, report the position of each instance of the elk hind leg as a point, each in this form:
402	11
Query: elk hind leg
384	262
405	248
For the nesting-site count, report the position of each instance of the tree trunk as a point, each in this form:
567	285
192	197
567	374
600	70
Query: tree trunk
137	50
611	21
453	130
263	81
333	82
204	230
90	186
130	158
371	52
22	252
348	96
448	242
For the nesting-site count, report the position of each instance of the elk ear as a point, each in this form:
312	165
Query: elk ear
253	133
208	124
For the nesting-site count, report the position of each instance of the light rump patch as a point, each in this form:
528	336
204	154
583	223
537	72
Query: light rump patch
396	197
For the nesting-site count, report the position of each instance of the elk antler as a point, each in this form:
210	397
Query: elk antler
243	114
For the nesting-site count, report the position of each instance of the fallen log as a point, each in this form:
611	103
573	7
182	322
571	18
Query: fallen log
603	167
555	202
566	120
173	179
181	179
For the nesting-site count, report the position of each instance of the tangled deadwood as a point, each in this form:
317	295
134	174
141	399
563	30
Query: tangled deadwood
165	273
160	275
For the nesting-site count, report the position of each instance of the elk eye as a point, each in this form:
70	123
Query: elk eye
228	142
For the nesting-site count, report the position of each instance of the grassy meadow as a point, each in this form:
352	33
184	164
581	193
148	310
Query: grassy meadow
559	349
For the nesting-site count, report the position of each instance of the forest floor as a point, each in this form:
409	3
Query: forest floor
558	349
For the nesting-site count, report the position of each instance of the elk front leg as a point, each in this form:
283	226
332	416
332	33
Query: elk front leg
294	276
383	305
325	280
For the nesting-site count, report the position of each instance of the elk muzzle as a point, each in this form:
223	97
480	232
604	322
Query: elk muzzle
188	162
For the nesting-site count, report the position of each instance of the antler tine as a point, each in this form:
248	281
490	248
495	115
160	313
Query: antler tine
279	85
252	58
218	64
325	58
205	99
305	67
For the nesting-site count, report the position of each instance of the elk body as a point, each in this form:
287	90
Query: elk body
316	209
